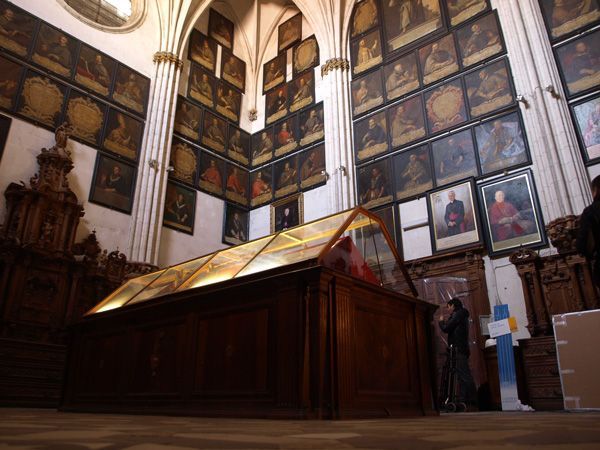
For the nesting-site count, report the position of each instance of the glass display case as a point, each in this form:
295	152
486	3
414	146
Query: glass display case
354	242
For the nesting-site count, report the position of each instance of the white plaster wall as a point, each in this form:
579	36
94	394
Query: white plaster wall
416	242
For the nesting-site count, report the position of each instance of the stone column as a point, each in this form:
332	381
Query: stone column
146	218
560	174
338	134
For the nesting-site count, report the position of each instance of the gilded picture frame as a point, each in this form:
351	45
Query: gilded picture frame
287	213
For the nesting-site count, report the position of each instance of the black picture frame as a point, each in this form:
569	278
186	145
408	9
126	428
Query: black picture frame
312	168
55	50
238	145
262	146
11	76
180	208
454	158
116	194
95	71
274	72
122	135
366	52
237	184
458	14
221	29
448	98
188	117
438	59
202	86
228	102
579	57
454	227
371	137
513	219
365	17
5	123
489	89
311	125
86	116
586	117
214	132
401	76
480	40
235	229
367	93
406	121
203	50
569	20
261	186
289	32
211	174
25	25
276	104
131	90
184	162
413	175
41	100
285	176
286	137
305	55
301	91
233	70
374	183
504	148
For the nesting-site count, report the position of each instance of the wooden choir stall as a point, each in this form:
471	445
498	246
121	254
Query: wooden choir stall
320	321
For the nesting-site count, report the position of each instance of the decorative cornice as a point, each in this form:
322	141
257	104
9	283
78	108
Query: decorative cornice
333	64
168	57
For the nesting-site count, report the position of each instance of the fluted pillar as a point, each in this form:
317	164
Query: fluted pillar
559	171
151	185
338	134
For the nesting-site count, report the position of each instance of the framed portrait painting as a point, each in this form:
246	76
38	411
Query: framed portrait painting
123	134
131	89
438	59
233	70
407	22
364	17
401	76
113	184
566	17
262	146
184	161
374	184
578	62
366	52
454	157
95	70
285	175
4	128
388	215
10	80
42	100
407	121
501	144
445	106
203	50
187	119
511	213
55	50
211	174
276	104
214	131
289	32
370	136
286	136
367	93
201	86
489	89
480	40
302	91
86	117
305	55
311	125
287	213
236	224
412	172
261	186
19	29
274	72
587	121
453	217
229	101
312	167
180	208
220	29
236	187
460	11
238	146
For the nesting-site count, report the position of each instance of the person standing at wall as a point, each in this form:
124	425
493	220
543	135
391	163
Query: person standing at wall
588	240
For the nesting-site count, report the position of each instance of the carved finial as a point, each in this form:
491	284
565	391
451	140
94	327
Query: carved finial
62	134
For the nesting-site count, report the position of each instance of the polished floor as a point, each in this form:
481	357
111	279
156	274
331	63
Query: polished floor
49	429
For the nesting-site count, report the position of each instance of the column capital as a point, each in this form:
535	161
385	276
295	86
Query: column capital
333	64
164	57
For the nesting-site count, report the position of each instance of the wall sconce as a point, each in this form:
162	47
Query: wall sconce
552	91
252	115
153	163
170	169
324	172
521	99
342	170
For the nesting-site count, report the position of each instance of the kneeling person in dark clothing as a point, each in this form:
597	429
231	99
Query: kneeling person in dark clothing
457	327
